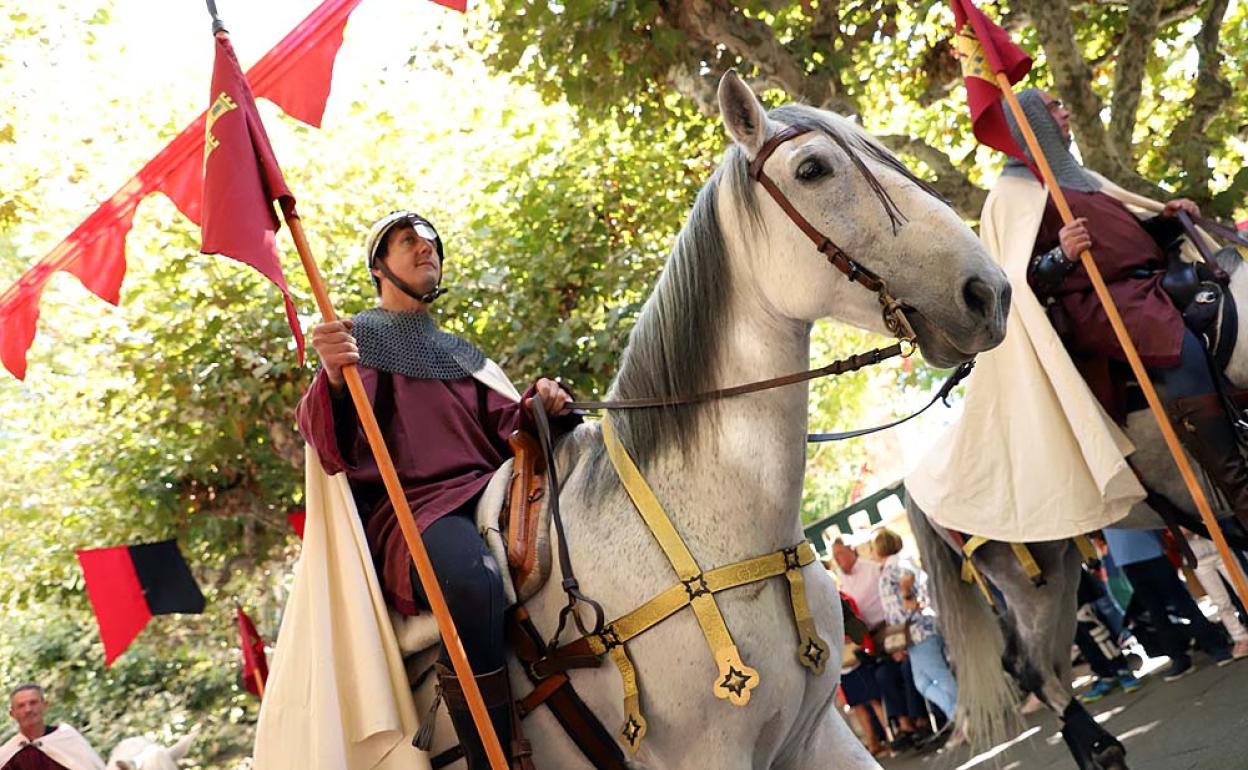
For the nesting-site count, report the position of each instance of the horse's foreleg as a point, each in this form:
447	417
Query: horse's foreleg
1043	625
830	744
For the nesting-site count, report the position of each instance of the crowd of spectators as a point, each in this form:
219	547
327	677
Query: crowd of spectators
1136	603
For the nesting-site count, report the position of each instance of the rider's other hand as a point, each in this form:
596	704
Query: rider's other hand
1075	239
554	398
336	347
1173	208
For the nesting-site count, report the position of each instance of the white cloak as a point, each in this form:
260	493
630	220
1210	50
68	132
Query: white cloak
1034	456
64	745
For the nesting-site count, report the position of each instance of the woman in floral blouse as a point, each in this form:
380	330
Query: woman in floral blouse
903	591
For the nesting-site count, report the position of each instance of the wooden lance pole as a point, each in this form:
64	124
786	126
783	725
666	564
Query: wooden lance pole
1128	347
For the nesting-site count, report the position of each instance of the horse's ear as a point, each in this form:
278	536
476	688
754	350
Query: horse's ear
179	749
743	113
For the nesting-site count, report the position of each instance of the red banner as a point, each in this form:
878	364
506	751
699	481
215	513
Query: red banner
128	584
242	179
255	662
984	50
295	74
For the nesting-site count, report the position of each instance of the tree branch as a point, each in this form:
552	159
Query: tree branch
719	22
1189	139
1143	16
966	198
1073	80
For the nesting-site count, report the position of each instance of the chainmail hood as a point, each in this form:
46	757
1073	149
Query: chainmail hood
412	345
1056	149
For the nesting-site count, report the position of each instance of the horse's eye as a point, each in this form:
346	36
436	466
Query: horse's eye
811	170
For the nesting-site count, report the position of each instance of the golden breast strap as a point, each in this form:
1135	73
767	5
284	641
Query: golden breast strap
696	589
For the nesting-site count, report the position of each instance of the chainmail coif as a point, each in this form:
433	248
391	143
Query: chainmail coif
412	345
1066	169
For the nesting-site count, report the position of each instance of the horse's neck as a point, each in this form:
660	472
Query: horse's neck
741	488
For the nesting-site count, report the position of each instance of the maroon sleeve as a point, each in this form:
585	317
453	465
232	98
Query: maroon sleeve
504	416
326	421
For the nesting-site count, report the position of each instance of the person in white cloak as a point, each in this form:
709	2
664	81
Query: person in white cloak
1049	401
39	746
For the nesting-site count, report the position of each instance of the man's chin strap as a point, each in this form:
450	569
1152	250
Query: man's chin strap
426	297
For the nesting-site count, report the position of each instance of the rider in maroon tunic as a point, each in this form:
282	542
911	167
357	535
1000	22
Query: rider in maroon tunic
447	434
1132	255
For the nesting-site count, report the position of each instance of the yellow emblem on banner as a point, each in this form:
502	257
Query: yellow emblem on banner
967	48
221	105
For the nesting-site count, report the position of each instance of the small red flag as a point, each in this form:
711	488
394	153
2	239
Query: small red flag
984	50
255	663
128	584
242	179
297	520
454	5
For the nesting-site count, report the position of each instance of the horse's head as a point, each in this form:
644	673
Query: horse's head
145	754
855	193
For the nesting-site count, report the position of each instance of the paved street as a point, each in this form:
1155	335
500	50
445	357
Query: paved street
1200	721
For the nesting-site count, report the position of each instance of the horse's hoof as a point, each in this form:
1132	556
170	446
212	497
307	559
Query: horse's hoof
1112	757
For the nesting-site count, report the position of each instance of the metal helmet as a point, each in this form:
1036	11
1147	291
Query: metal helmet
382	227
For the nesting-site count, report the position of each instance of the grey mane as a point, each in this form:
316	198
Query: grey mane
674	345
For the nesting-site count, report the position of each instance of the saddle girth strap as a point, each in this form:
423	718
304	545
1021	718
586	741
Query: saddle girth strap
558	694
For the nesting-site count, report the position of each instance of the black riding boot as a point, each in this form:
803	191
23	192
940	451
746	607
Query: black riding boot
1205	430
496	692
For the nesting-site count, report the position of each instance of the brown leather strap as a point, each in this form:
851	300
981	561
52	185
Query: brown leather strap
571	587
842	366
576	718
835	254
541	693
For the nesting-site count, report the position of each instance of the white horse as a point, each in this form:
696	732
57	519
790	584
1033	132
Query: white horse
145	754
736	303
1033	636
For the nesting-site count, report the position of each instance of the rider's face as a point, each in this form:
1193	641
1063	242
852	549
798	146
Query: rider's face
1059	112
412	258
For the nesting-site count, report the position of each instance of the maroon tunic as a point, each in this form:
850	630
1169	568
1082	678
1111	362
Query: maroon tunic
1122	247
446	437
31	758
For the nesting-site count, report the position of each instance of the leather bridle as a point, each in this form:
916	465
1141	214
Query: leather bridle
894	316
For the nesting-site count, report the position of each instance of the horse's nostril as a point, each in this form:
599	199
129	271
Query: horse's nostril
979	298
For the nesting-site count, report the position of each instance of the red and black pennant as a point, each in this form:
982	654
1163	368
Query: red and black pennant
128	584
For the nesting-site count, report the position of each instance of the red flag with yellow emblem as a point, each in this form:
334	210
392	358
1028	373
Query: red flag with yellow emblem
985	49
242	179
